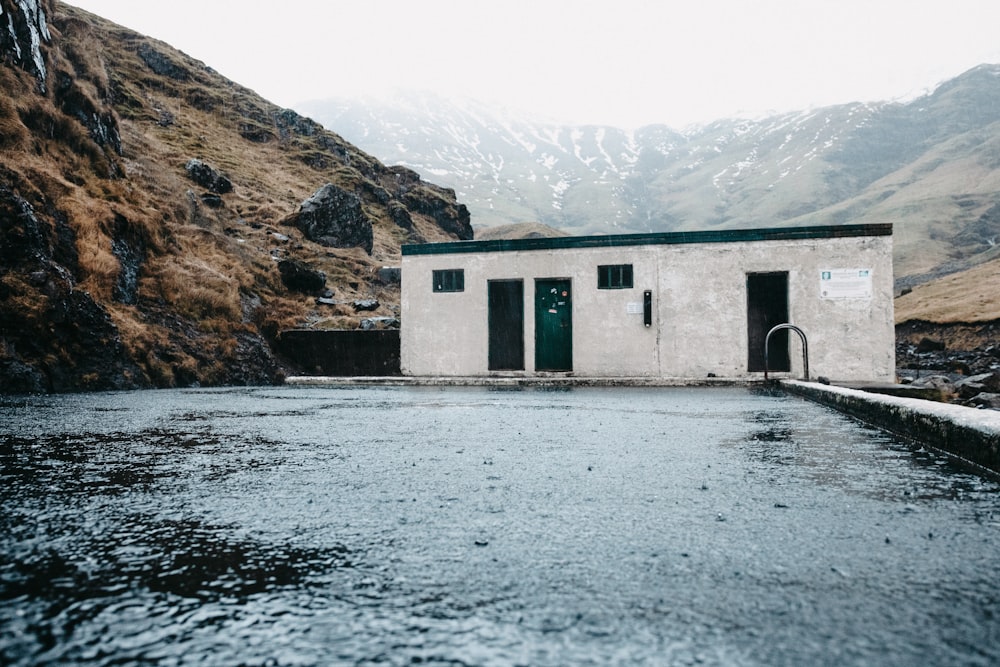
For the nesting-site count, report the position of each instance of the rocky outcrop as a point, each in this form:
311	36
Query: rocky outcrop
208	177
23	29
299	277
961	361
53	336
100	121
433	201
128	244
161	63
334	217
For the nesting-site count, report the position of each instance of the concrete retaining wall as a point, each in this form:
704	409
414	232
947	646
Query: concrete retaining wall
968	433
343	353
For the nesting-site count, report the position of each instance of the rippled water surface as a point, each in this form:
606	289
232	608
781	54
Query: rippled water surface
314	526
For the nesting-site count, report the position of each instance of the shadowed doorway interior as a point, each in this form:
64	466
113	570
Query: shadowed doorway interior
506	325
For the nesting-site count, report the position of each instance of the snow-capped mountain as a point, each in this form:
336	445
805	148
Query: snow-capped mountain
930	166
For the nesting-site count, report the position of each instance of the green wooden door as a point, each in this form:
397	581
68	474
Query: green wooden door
553	326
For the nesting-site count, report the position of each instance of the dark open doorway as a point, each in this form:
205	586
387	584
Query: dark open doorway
767	306
506	324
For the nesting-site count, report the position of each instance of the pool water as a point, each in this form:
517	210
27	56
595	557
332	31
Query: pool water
476	526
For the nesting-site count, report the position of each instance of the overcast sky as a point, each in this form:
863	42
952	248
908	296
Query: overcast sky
618	62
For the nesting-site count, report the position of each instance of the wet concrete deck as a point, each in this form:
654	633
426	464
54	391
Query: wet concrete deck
968	433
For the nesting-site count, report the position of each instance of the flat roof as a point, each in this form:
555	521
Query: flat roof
663	238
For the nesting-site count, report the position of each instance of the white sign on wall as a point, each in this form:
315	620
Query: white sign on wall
634	307
845	283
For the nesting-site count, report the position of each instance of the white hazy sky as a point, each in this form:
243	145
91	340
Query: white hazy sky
619	62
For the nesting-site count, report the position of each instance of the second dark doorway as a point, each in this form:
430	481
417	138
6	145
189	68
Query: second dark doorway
506	324
767	307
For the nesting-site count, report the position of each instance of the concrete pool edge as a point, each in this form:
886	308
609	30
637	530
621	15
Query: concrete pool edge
542	381
969	434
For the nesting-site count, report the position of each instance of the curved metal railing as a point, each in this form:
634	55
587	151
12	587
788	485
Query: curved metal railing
805	347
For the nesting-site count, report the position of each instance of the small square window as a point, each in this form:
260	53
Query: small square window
614	276
449	280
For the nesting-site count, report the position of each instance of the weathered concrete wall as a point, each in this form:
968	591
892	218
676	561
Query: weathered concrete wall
971	434
343	353
699	299
703	307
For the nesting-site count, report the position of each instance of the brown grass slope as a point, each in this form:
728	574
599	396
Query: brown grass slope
116	269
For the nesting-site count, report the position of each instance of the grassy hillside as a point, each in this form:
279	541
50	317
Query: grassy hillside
97	207
963	297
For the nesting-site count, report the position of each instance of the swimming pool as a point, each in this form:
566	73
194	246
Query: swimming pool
299	526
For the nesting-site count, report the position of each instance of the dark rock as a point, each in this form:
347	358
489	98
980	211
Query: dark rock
128	244
161	63
64	250
930	345
390	275
403	179
299	277
212	200
959	366
365	305
207	177
373	323
985	400
335	218
940	384
400	216
937	381
450	216
23	237
290	123
991	381
250	305
24	29
16	377
969	389
71	345
376	192
253	363
101	123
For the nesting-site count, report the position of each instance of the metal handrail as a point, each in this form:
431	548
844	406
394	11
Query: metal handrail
805	347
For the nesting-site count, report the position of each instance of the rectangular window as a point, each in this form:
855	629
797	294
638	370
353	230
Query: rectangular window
449	280
614	276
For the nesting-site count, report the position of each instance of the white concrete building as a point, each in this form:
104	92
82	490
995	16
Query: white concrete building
685	305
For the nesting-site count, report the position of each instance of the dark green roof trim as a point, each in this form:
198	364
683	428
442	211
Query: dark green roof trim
666	238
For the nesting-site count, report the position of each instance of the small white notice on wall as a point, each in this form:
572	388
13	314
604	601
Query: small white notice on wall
845	283
634	308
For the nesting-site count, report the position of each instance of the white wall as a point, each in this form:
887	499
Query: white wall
700	309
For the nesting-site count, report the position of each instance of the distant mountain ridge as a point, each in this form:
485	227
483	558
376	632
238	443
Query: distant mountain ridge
930	166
